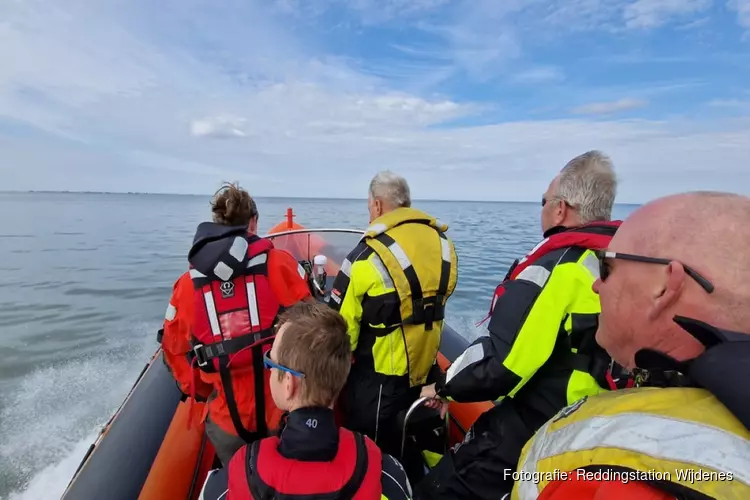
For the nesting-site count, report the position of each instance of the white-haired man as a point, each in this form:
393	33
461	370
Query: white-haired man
540	354
392	290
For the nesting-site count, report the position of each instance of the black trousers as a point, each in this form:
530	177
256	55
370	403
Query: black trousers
372	404
482	466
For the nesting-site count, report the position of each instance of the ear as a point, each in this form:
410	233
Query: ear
561	211
378	207
290	386
668	289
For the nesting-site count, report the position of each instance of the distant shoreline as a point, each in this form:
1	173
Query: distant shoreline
137	193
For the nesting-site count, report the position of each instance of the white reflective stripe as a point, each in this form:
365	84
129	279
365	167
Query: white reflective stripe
591	262
223	271
400	255
384	274
535	274
660	437
346	268
213	318
239	248
171	312
377	229
194	273
446	249
301	271
252	304
471	355
257	260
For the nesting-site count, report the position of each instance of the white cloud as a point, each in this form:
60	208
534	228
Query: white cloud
127	97
654	13
743	11
603	108
218	126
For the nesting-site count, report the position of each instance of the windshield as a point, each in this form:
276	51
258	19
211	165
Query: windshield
305	244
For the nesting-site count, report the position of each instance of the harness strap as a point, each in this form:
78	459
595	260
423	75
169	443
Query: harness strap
205	353
424	311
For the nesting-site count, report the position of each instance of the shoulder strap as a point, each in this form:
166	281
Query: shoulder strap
418	310
361	464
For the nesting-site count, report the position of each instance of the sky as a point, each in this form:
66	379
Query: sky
467	99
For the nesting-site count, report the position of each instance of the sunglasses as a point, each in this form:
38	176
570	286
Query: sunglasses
269	363
604	268
545	200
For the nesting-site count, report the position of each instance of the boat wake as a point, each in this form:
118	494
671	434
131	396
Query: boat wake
52	416
49	418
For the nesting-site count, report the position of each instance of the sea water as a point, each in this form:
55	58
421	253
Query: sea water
85	284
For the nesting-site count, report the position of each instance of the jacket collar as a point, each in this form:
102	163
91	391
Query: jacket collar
723	369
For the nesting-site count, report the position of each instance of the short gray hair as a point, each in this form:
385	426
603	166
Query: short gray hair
588	183
390	188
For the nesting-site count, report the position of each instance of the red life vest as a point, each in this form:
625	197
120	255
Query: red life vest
593	236
235	312
354	474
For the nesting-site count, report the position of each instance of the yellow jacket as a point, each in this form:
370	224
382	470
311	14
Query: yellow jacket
392	290
684	436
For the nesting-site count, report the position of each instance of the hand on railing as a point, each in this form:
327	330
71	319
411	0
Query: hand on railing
433	401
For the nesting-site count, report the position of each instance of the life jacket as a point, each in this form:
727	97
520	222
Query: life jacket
691	442
423	266
263	473
684	437
235	311
592	236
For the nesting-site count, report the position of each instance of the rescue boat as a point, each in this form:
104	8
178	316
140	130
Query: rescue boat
154	445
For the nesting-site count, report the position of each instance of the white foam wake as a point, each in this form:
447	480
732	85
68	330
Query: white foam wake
51	416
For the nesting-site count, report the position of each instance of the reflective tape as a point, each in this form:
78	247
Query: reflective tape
400	255
171	312
257	260
213	318
591	262
660	437
223	271
472	354
384	274
238	249
252	304
194	273
536	274
446	249
346	268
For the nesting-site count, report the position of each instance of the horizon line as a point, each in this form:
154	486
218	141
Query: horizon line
141	193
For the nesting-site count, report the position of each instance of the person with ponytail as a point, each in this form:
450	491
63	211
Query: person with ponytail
221	318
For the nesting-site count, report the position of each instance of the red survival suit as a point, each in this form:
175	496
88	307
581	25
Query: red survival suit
235	312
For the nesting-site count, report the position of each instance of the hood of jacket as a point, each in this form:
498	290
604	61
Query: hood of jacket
219	250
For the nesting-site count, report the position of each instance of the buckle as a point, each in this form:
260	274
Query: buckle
200	355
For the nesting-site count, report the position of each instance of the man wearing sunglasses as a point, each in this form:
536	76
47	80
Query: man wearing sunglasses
312	457
540	354
675	293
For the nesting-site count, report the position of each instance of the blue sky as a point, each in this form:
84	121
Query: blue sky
469	99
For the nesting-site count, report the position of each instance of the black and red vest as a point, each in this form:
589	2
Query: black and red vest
593	236
259	471
235	310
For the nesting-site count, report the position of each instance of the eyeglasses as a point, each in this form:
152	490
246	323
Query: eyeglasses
545	200
269	363
604	269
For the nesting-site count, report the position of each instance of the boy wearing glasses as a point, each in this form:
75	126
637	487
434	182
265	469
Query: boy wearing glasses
309	363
